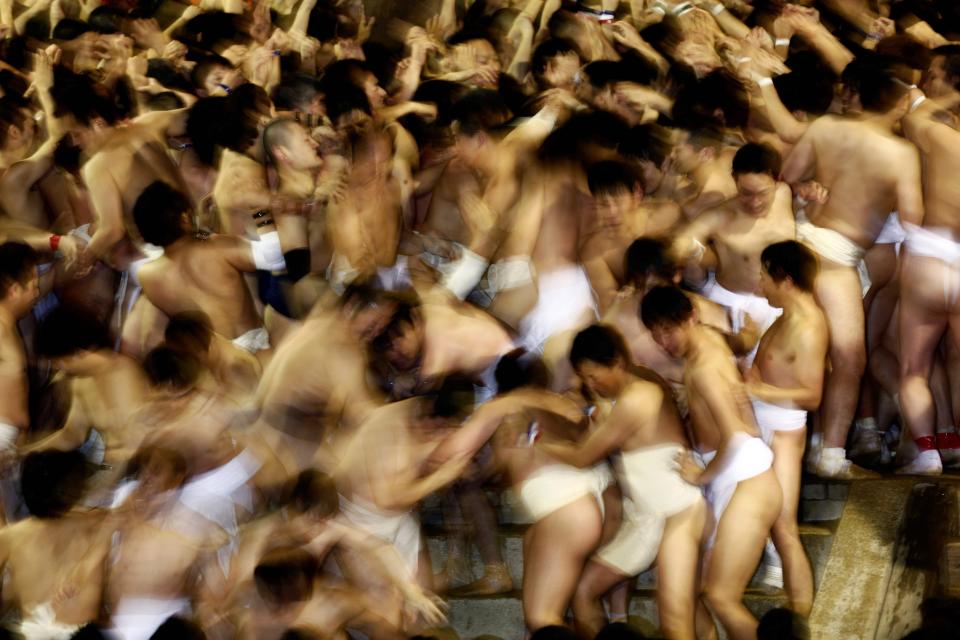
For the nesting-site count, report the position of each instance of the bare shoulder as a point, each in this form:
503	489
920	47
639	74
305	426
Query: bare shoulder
641	395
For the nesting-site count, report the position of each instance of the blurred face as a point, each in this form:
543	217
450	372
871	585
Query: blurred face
221	80
25	295
699	55
470	148
302	151
601	380
935	83
755	192
405	348
562	69
686	157
612	207
375	94
652	175
673	338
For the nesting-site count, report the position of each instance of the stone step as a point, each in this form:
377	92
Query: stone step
816	540
502	615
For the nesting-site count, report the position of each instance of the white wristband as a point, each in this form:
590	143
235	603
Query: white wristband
267	254
764	82
658	9
916	103
8	436
717	9
682	8
465	273
781	42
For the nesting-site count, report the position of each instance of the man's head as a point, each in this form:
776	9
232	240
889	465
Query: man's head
599	356
617	191
649	145
162	214
756	168
555	64
19	283
189	332
697	147
479	120
68	338
17	128
669	316
401	341
285	577
288	143
943	75
355	74
215	76
789	268
647	263
367	309
171	371
299	92
53	482
315	494
871	82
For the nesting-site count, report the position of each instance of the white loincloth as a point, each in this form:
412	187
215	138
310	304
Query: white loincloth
746	457
565	301
940	244
892	232
41	624
395	278
554	486
400	529
835	247
139	618
740	306
340	273
216	493
654	491
254	340
772	418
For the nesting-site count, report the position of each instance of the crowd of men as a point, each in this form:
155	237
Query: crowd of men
273	273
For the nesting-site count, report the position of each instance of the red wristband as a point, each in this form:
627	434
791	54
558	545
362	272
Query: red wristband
54	242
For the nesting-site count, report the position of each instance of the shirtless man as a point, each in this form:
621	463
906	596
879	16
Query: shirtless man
316	384
203	274
423	344
106	389
738	230
621	216
378	472
702	157
930	273
868	172
741	486
665	518
786	382
56	558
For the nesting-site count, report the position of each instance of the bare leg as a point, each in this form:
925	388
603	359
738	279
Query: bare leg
556	551
798	577
741	536
597	579
677	568
618	598
838	289
482	522
921	327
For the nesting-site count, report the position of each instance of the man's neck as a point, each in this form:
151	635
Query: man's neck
7	316
702	172
301	184
797	301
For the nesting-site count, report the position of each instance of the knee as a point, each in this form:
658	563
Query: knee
786	530
720	599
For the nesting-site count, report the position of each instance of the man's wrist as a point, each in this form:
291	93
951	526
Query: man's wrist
54	242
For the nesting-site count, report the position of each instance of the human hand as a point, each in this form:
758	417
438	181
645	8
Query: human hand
812	191
626	34
688	468
147	34
43	68
882	28
425	606
260	21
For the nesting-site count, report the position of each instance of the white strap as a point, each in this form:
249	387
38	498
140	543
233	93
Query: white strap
465	273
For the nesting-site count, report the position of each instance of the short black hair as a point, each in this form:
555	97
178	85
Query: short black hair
314	490
78	95
163	101
455	397
790	259
481	110
53	481
518	369
665	305
757	157
168	367
646	142
65	331
200	71
158	213
879	91
285	575
601	344
18	264
544	53
11	114
610	176
647	257
189	331
295	92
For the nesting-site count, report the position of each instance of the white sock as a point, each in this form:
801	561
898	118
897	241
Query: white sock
832	459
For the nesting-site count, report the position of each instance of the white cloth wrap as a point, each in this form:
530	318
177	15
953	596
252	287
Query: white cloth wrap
463	274
654	491
8	436
254	340
742	305
746	457
400	529
42	624
139	618
892	232
395	278
267	253
941	244
771	418
216	493
509	273
554	486
565	301
835	247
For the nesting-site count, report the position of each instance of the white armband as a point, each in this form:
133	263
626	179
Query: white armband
267	254
764	82
682	8
781	42
659	7
916	103
718	9
464	274
8	436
